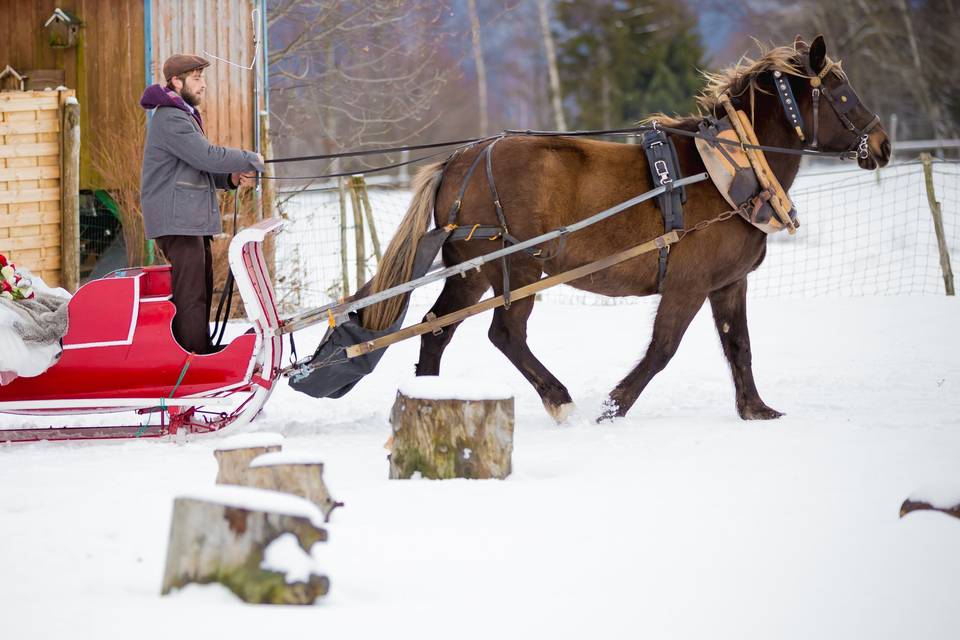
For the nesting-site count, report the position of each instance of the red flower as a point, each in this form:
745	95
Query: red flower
5	286
3	260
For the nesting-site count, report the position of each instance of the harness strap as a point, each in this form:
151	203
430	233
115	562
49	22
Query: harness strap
498	208
664	169
455	207
789	103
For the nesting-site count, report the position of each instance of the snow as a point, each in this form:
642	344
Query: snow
251	441
253	499
939	496
285	556
454	388
287	457
678	521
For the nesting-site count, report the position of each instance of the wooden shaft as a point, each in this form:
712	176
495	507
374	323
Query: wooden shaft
344	265
937	214
523	292
758	163
70	198
361	186
361	243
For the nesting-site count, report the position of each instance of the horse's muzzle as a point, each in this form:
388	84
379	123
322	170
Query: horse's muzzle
879	150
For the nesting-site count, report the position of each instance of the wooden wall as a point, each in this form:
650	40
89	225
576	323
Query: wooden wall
223	28
30	171
106	67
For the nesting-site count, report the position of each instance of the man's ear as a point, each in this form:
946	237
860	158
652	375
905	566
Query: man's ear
818	54
177	83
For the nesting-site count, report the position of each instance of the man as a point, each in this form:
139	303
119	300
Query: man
181	173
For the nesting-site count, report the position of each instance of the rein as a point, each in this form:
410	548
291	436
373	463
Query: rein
462	144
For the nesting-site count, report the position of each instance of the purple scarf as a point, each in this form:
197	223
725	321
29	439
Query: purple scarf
156	96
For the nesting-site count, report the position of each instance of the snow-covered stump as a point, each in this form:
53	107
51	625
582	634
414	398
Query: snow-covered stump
235	453
451	429
247	540
292	472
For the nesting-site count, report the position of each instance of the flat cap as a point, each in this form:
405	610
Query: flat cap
180	64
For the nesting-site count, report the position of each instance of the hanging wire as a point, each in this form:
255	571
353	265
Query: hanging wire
255	20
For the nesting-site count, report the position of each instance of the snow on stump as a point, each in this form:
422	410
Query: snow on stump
944	500
235	453
293	472
444	428
247	540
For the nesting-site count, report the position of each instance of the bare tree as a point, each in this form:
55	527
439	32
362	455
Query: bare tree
354	74
902	57
556	97
481	67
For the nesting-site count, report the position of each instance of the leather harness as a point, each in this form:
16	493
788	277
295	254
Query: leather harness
664	170
664	166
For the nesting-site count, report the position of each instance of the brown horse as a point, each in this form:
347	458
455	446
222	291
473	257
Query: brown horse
548	182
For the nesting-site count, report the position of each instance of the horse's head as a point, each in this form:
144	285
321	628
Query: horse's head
836	119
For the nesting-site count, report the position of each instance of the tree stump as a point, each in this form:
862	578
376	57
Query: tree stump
451	429
235	453
293	472
227	534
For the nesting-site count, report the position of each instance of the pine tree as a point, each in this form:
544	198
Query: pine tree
623	60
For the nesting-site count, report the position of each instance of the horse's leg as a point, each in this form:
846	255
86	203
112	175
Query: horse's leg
458	292
730	315
677	308
508	332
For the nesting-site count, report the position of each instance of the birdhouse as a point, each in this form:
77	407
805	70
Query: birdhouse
62	28
10	80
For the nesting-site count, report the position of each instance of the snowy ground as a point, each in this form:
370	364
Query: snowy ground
680	521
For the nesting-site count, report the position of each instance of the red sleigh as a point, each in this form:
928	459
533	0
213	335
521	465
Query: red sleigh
119	354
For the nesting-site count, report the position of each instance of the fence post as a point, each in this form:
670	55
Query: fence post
70	196
344	268
361	243
361	186
938	224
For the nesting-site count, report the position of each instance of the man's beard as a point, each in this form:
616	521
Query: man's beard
189	97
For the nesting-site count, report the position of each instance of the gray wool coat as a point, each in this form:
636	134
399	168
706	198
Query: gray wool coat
181	173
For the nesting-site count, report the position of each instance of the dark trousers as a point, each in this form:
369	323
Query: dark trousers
192	273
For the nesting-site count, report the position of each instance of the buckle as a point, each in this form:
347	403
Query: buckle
660	166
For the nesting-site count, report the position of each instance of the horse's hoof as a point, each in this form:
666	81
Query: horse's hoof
760	412
560	413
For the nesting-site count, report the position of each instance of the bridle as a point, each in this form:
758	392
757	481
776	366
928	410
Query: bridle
843	100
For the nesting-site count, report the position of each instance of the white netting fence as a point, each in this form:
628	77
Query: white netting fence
862	233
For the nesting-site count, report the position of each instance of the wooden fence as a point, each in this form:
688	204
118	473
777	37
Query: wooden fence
39	183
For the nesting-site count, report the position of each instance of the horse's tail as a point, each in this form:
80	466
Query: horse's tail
396	266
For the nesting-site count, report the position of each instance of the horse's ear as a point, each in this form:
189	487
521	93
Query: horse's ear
798	42
818	54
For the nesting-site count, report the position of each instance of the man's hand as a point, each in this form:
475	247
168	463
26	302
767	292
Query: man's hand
244	179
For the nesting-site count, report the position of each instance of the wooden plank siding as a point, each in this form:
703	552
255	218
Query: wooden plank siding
106	67
30	212
223	28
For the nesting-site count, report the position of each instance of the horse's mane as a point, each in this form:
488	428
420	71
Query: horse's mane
736	80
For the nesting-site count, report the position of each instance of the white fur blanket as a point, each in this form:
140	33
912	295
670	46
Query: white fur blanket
30	332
